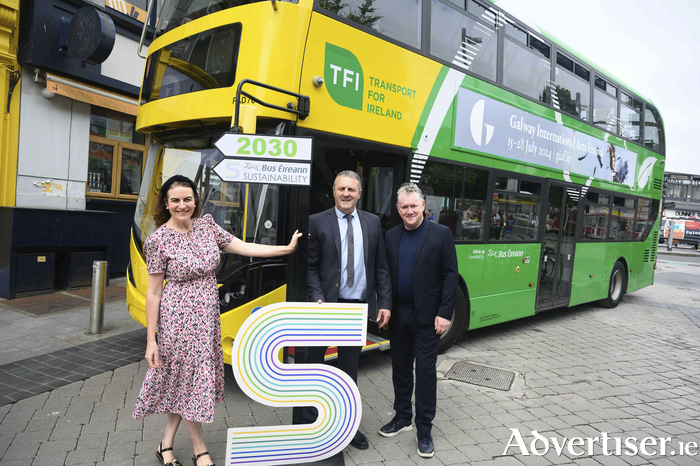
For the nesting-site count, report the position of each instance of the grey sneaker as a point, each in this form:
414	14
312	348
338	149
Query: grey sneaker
426	449
396	426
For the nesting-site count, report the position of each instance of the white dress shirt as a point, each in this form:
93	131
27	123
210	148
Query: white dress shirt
357	291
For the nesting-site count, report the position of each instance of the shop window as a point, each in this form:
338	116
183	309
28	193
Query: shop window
454	196
595	219
115	156
694	193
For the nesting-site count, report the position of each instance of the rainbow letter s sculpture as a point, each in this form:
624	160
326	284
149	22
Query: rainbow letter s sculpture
266	380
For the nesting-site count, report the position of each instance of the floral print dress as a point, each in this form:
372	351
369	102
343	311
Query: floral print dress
191	378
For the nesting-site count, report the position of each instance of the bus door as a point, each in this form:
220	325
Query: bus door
381	173
558	246
381	179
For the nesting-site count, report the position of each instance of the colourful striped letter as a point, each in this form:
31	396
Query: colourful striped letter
263	378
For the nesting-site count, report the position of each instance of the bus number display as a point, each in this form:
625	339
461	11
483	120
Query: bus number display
264	147
260	147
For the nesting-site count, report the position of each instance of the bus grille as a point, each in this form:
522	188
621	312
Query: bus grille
650	254
658	184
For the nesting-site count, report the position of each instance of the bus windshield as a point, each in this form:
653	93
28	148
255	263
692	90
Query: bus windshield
249	212
178	12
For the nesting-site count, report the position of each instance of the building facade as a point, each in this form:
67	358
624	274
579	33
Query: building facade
681	208
70	188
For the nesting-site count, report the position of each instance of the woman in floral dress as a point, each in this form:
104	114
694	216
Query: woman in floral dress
186	366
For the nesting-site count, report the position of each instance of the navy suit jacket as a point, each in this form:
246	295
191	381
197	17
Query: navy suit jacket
323	274
435	275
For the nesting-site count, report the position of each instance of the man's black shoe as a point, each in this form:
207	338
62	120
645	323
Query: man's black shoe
426	449
360	441
396	426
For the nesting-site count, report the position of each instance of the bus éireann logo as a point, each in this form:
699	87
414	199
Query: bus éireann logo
476	124
343	77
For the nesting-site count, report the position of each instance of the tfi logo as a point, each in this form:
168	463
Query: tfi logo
343	77
477	125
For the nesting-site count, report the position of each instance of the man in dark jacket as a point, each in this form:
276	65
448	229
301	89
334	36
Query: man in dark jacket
347	264
423	266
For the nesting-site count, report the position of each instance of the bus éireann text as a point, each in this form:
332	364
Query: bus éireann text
547	169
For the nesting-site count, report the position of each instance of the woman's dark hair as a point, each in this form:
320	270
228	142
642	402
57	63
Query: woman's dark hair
162	213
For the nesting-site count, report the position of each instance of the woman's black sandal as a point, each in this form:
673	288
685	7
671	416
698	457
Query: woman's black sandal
196	457
159	455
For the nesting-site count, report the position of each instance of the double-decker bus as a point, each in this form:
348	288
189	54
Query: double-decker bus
546	168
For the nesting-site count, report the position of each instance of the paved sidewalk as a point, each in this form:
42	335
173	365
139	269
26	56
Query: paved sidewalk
682	250
46	348
629	372
25	334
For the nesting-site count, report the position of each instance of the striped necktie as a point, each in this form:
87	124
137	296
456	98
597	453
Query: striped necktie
351	252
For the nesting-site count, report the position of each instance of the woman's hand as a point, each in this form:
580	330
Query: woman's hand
152	354
293	242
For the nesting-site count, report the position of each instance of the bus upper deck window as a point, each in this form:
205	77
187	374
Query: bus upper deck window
605	105
463	41
398	19
630	117
526	64
653	130
572	87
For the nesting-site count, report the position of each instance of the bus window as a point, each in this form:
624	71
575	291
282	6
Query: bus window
379	188
203	61
645	221
463	41
526	69
263	207
653	130
605	105
454	196
515	217
572	84
504	183
175	13
622	219
595	216
630	117
398	19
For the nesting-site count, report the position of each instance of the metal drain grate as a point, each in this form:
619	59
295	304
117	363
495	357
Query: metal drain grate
481	375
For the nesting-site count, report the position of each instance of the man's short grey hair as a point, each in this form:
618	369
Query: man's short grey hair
349	174
409	188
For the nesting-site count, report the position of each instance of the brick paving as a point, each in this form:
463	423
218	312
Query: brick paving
629	372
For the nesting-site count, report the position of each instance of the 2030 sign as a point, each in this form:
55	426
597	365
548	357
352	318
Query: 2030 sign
264	147
259	146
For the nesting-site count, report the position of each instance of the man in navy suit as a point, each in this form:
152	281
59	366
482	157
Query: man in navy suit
423	266
346	264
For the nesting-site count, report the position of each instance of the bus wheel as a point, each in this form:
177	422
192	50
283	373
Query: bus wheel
457	324
618	284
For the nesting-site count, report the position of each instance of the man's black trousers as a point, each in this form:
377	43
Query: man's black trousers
412	341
